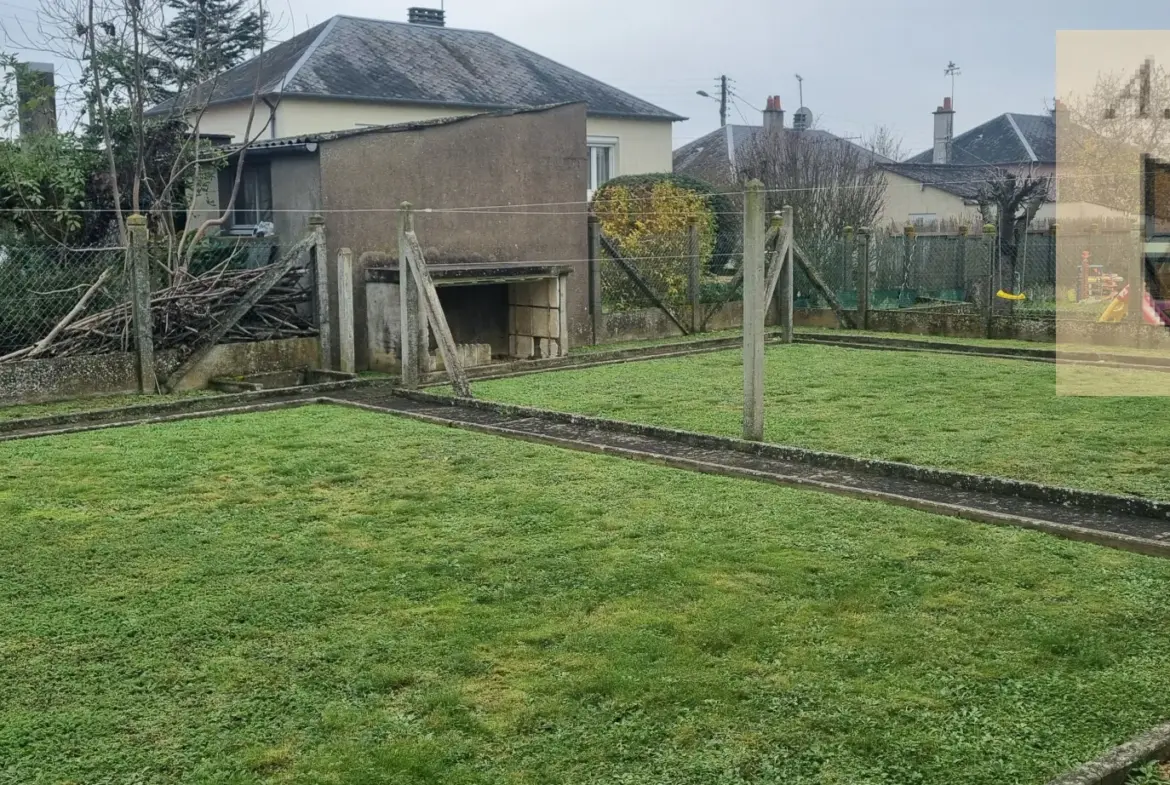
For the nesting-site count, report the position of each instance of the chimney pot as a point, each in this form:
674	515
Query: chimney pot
771	104
773	114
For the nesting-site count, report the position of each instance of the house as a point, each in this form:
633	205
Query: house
514	280
350	72
717	157
940	185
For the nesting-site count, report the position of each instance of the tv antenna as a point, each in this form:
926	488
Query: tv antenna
800	87
952	71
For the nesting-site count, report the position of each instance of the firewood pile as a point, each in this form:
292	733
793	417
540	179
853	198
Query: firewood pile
181	313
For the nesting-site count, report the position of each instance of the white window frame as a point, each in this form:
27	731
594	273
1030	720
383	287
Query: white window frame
593	142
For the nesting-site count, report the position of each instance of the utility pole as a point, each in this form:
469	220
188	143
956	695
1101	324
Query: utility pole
724	90
723	100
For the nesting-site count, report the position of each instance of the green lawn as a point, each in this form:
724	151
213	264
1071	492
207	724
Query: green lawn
999	417
329	596
91	403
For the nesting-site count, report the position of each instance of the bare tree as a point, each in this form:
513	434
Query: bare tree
1011	200
829	182
882	141
155	161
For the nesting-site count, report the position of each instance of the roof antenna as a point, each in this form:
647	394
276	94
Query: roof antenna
800	83
952	71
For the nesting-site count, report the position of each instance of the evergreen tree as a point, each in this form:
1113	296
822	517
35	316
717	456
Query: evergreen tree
207	37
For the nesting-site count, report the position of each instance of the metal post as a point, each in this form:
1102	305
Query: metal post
138	237
754	233
786	287
345	325
693	274
864	233
846	260
595	307
409	349
321	270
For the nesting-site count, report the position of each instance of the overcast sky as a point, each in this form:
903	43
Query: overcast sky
865	63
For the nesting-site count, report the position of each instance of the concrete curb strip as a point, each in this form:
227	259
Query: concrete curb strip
1115	766
1109	539
1090	500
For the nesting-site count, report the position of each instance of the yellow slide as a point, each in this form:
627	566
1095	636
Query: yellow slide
1116	310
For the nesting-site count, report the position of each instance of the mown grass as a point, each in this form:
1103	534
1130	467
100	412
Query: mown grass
91	403
999	417
330	596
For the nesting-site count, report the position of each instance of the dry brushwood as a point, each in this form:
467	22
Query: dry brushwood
186	310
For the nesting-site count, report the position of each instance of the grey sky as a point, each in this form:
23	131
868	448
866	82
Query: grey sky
865	63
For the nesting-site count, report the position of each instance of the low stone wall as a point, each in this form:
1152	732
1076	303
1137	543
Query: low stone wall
39	381
649	323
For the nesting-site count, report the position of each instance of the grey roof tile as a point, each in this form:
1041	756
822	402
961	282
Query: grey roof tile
396	62
997	142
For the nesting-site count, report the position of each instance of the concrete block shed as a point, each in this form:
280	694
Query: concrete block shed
498	209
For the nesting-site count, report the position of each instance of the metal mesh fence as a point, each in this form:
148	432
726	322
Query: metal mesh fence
41	286
663	263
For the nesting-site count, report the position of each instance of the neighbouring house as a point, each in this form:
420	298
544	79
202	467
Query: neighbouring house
513	282
716	157
939	186
348	73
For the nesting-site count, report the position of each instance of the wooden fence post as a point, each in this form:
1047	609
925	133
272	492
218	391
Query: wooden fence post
694	274
321	271
754	245
345	325
786	288
138	237
864	233
410	348
595	307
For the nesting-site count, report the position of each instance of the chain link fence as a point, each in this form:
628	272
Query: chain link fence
42	286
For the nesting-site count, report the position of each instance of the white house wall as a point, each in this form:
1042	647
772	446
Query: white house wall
643	145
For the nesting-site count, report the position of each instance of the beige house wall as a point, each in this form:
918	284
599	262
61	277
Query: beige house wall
905	197
643	145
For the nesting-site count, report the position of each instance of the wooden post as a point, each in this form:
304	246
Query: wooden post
138	238
595	308
345	325
694	274
753	311
429	296
864	233
786	288
321	271
410	350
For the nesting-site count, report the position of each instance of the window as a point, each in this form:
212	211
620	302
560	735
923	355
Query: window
924	221
602	161
254	198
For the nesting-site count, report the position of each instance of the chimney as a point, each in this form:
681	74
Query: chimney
944	132
434	17
1059	111
773	114
37	98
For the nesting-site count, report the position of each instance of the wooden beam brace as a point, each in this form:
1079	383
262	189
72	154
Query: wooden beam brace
640	282
434	311
842	317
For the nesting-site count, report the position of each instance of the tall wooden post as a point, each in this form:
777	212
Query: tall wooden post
138	237
786	288
345	325
864	234
754	233
694	275
321	271
410	351
595	308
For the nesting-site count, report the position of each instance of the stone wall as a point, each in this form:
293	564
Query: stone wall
56	379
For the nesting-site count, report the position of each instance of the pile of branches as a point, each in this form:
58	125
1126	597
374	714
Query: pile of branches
181	313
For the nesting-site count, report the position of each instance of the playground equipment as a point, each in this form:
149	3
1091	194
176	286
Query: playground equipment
1118	308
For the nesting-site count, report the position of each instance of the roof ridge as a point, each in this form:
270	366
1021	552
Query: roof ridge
357	18
291	73
1020	135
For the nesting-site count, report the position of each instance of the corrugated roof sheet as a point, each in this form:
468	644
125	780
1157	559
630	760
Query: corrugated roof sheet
397	62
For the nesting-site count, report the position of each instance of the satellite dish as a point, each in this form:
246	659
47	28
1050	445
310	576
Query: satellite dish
803	119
